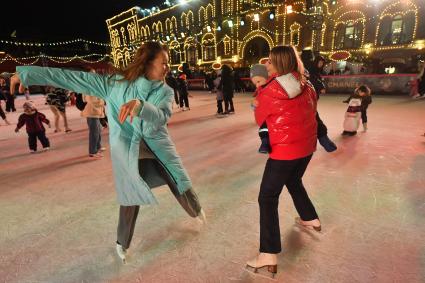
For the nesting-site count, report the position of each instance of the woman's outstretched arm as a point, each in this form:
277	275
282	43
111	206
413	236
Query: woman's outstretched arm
77	81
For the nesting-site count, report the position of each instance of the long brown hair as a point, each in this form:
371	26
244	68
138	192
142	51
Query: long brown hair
142	61
286	60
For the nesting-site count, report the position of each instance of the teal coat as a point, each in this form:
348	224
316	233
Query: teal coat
151	125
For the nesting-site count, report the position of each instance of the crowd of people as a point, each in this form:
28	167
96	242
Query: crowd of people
138	102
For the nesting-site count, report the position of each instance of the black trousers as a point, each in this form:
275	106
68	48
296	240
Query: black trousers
176	97
277	174
128	214
32	140
2	114
126	223
10	103
322	130
364	116
228	104
219	106
183	99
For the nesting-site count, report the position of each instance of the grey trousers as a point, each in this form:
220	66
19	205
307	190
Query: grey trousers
95	137
128	214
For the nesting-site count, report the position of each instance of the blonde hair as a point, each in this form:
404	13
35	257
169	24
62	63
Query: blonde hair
286	60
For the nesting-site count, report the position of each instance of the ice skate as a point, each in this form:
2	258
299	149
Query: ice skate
201	218
263	261
122	253
308	224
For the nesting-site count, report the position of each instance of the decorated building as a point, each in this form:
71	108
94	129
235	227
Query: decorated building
376	33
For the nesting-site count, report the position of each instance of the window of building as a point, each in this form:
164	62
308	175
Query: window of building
209	52
348	36
191	55
227	46
396	30
295	34
175	52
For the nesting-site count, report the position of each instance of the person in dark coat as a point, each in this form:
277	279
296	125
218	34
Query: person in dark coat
227	86
10	97
314	73
209	80
421	82
183	93
2	114
239	86
34	125
172	82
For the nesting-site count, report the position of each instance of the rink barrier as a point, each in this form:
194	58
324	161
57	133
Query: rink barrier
393	84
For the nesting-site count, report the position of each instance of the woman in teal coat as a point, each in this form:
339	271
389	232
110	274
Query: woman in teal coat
143	155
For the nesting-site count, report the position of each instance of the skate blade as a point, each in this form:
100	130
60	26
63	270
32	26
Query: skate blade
261	272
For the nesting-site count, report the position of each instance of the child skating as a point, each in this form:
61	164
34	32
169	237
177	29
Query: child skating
34	126
357	109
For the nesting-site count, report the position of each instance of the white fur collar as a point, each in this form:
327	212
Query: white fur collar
290	84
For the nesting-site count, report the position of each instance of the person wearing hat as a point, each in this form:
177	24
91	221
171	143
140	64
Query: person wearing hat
259	76
34	125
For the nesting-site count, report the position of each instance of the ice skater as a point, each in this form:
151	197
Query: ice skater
314	74
358	104
93	111
227	86
3	115
259	77
288	104
183	92
56	99
219	96
143	154
33	120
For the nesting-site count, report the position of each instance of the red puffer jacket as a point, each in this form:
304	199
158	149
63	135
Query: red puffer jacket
289	109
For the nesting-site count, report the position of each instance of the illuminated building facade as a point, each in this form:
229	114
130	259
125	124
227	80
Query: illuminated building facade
240	32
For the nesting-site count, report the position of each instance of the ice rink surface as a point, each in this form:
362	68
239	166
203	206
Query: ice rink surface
58	212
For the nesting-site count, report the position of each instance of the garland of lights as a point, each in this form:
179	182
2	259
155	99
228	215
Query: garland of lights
40	44
53	58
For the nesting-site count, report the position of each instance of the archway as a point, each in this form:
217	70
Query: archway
254	50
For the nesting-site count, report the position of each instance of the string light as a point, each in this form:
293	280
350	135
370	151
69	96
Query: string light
59	43
56	59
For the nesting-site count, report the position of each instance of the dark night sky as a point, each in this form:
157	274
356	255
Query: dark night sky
62	19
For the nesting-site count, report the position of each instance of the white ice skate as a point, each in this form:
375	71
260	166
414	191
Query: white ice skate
202	219
122	253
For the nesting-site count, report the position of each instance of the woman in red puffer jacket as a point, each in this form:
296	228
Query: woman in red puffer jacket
287	103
